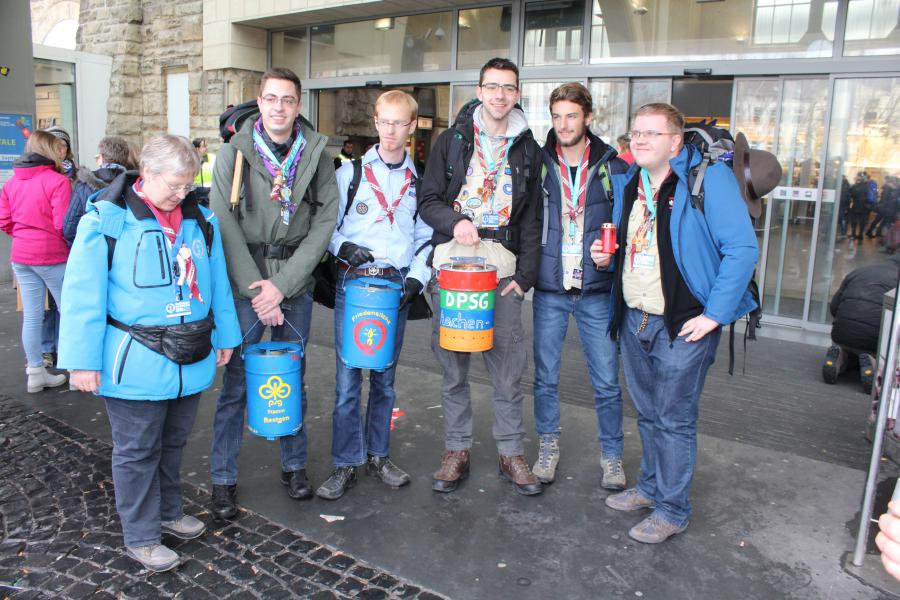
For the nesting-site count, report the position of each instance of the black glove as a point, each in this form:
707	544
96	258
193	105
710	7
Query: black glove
355	255
413	289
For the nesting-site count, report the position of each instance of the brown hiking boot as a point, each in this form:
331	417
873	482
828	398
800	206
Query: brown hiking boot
516	470
454	468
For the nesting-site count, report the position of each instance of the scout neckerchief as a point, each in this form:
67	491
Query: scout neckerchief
282	172
171	226
386	211
643	237
573	201
490	165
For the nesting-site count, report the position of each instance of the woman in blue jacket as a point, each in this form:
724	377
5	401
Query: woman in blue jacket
147	316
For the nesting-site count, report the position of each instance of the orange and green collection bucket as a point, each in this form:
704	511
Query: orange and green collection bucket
468	288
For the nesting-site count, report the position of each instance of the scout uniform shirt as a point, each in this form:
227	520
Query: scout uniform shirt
395	235
641	278
483	208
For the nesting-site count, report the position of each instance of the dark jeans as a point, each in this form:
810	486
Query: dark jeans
505	363
228	424
352	438
665	379
148	440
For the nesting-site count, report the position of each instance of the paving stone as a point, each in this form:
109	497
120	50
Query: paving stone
340	562
384	581
350	586
404	591
373	594
326	577
364	572
320	555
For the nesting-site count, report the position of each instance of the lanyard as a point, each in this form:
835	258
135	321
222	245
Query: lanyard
489	164
574	199
650	204
386	211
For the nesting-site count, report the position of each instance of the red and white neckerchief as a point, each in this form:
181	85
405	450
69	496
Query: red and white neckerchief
187	271
643	236
490	165
386	211
574	201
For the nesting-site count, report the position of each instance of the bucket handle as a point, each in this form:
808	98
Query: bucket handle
286	322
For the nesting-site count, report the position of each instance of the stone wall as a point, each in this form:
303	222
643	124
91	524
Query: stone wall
149	39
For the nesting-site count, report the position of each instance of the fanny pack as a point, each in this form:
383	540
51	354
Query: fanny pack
182	343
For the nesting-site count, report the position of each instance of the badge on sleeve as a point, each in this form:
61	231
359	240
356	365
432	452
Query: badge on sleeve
362	208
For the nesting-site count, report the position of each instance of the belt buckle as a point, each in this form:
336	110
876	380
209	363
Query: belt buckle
372	271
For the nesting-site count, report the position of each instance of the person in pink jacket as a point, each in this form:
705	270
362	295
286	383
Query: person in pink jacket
32	206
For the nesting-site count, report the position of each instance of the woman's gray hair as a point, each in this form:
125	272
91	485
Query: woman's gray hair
169	154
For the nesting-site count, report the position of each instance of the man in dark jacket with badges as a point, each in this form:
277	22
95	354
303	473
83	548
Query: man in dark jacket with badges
273	239
482	196
579	191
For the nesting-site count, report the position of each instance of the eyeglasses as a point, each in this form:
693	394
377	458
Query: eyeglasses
392	124
650	135
187	189
507	88
286	101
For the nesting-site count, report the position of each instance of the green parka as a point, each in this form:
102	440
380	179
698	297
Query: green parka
310	226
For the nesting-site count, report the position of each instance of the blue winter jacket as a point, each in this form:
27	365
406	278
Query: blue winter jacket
139	288
597	210
715	249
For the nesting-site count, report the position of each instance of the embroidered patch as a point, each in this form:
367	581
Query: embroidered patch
504	212
469	213
507	189
197	248
473	202
507	171
469	171
457	206
362	208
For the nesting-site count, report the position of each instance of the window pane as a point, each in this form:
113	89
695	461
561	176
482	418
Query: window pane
647	30
289	50
535	95
645	91
550	33
461	93
381	46
483	34
54	95
872	27
610	109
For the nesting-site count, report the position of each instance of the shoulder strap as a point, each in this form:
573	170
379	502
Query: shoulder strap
352	188
695	182
454	154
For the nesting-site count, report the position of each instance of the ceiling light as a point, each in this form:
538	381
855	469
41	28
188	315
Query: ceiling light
384	24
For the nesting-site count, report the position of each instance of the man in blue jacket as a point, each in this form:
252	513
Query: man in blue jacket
578	199
681	273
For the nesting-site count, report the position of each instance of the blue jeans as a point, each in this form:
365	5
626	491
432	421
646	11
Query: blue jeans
351	438
665	379
148	440
551	320
228	424
34	280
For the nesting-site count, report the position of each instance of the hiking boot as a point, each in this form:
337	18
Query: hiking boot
297	484
341	480
224	505
548	459
49	359
516	470
613	473
629	500
866	372
186	527
154	557
654	530
39	378
385	470
835	364
454	468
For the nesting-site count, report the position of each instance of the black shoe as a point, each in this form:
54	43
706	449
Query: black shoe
341	480
382	468
223	502
297	484
866	372
833	365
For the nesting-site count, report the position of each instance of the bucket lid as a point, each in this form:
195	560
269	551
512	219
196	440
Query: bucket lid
375	284
467	263
273	348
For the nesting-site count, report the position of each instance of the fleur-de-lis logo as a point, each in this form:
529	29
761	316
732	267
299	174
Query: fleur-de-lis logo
274	390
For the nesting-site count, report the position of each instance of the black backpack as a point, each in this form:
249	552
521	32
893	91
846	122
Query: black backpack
717	145
231	120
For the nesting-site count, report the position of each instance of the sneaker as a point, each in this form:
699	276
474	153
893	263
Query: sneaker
154	557
548	459
834	364
224	504
867	372
185	527
385	470
39	378
613	473
341	480
629	500
654	530
49	359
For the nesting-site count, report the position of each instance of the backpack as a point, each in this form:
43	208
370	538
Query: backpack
231	120
717	145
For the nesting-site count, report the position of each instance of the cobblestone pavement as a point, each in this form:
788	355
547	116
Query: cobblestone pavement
60	535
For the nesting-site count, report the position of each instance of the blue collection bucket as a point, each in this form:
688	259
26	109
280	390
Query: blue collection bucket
371	307
274	387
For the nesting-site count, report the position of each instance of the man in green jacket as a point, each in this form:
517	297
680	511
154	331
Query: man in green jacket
273	238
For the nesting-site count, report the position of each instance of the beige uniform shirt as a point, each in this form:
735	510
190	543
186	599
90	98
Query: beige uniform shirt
641	279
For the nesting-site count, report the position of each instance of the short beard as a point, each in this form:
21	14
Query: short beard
574	142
